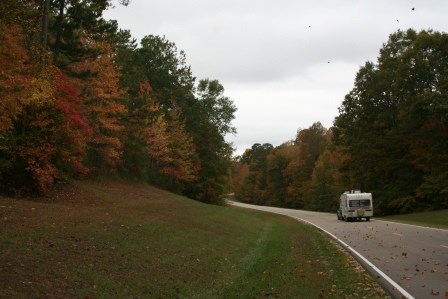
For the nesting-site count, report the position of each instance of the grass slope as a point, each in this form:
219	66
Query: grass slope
117	240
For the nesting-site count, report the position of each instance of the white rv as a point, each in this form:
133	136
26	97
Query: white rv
355	205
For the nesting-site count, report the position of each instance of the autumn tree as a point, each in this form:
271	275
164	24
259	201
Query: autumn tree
283	176
202	113
47	138
327	181
256	181
184	167
240	171
76	99
278	189
98	80
43	130
15	88
15	75
169	158
310	144
51	134
158	63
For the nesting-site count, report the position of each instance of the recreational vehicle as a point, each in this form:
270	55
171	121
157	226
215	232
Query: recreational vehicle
355	205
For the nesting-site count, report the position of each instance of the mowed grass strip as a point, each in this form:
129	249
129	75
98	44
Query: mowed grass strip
117	240
437	219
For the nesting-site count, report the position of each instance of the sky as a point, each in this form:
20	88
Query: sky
285	64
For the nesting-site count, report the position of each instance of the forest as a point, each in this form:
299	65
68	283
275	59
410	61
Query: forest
80	99
390	138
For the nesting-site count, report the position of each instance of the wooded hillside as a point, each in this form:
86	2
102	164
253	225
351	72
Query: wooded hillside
80	97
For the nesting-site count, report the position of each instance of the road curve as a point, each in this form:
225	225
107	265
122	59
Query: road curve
413	258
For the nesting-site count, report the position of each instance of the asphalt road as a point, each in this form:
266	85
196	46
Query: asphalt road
410	261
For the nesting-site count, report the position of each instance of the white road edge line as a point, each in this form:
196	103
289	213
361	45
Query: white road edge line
381	273
413	225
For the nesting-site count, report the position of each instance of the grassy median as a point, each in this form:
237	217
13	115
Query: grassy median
117	240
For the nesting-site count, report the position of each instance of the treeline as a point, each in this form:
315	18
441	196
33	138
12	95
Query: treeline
390	138
80	98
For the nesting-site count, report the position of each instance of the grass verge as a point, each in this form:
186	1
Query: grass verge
117	240
437	219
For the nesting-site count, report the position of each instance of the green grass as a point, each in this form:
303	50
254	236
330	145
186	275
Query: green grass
116	240
438	219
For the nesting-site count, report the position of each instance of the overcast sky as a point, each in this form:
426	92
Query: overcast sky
285	64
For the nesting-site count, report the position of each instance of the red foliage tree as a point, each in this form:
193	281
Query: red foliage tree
54	130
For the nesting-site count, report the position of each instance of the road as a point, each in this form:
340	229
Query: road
410	261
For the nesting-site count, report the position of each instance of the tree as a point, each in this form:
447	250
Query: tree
277	186
255	183
69	117
42	130
169	147
396	107
209	121
70	22
310	144
15	75
218	109
240	172
159	62
282	176
197	118
98	78
47	138
327	182
184	166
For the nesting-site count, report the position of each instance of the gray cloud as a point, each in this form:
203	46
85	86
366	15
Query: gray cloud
272	56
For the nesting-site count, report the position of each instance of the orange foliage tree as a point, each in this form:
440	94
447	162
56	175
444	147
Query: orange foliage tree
168	145
42	129
184	165
47	138
15	75
97	80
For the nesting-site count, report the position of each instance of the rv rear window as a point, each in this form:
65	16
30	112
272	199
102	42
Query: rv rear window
359	203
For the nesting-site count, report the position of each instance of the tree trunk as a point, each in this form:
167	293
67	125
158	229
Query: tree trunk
57	45
44	36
